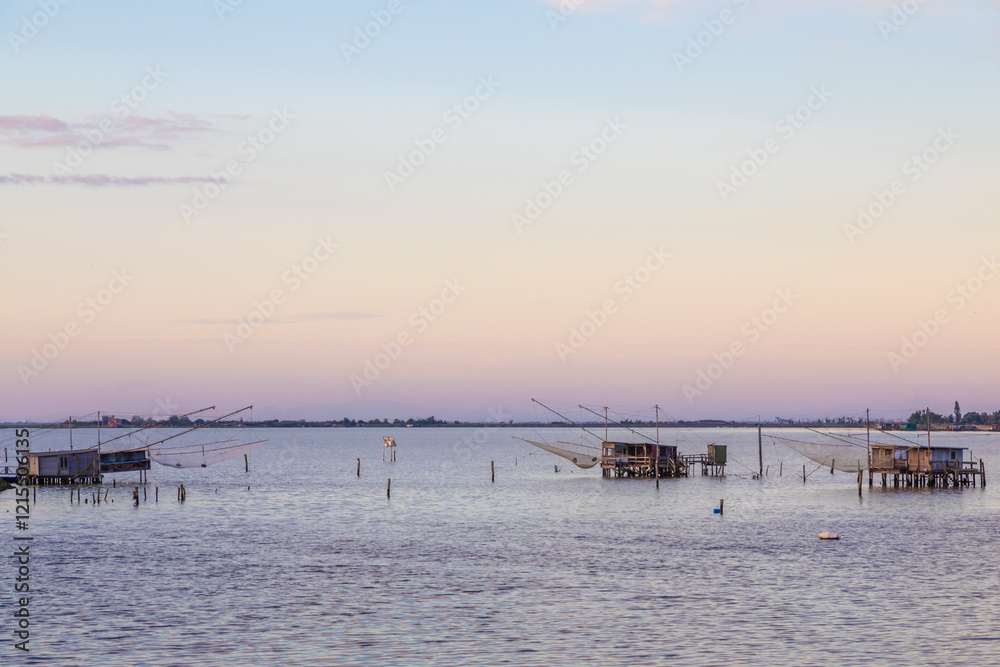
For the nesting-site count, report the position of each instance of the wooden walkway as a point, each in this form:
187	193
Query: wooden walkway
956	475
709	466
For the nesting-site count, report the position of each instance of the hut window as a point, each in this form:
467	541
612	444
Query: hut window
64	462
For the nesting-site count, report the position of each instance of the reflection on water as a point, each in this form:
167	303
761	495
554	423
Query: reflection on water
313	565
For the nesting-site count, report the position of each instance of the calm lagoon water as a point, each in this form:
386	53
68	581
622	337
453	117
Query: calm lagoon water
315	566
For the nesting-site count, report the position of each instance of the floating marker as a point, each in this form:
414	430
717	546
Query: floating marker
829	536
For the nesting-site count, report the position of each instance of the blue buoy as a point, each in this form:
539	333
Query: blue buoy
716	511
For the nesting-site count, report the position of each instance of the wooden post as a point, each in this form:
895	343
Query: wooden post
493	474
78	495
105	495
114	483
246	462
388	488
359	467
34	494
143	494
833	462
781	468
982	472
156	494
859	482
803	473
656	462
767	470
722	506
760	449
71	496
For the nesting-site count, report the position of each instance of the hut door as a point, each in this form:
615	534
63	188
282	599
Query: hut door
63	465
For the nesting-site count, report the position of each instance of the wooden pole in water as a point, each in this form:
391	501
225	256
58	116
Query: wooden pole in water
722	506
156	494
868	423
105	495
246	462
803	473
359	467
493	474
760	448
833	462
781	468
143	494
388	488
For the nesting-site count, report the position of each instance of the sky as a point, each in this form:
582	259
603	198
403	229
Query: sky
414	207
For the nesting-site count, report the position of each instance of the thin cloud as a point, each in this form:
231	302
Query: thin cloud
108	132
99	180
294	319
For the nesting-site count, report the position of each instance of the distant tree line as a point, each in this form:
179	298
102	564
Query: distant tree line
969	418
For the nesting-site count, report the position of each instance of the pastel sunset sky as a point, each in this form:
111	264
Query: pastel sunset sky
729	208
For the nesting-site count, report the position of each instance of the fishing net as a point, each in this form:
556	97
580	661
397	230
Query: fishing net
839	455
201	456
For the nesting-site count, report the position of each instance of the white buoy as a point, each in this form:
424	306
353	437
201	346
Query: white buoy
829	536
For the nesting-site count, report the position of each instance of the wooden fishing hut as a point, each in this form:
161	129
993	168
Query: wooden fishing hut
641	459
915	465
81	466
65	467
